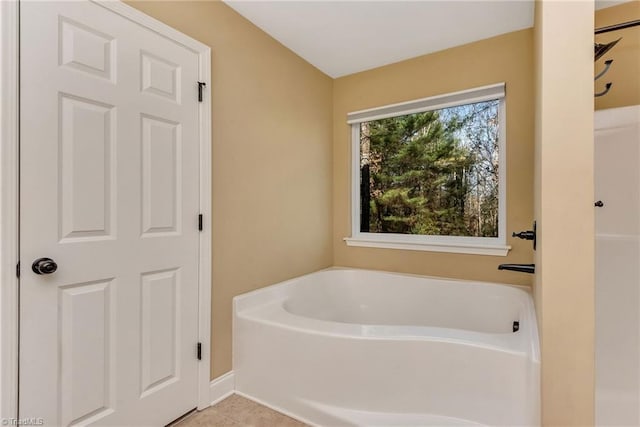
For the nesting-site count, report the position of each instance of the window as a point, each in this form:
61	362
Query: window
428	174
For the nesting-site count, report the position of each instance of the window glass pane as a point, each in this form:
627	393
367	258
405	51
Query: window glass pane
431	173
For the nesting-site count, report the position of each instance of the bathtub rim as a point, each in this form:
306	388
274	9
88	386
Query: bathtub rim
246	295
245	302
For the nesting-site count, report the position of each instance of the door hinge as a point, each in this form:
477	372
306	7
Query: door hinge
201	86
18	270
200	222
199	351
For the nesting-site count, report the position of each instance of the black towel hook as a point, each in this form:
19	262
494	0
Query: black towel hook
606	90
607	65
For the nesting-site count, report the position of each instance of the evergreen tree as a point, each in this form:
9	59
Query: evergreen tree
431	173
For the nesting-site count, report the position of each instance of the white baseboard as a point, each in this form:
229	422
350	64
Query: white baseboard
222	387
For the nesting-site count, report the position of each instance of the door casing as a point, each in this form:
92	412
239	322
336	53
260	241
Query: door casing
10	190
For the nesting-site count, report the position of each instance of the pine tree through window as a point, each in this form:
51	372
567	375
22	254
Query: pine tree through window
430	170
433	173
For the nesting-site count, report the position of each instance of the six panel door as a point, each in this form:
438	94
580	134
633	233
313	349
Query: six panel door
110	192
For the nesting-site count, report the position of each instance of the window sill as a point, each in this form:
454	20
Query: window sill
456	248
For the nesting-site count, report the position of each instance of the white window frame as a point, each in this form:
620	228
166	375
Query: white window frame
454	244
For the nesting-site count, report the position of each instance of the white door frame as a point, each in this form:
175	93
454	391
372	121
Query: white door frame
9	195
9	220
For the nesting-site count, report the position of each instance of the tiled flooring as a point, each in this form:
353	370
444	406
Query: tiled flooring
236	411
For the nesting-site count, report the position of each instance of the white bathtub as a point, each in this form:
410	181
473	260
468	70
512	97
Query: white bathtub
355	347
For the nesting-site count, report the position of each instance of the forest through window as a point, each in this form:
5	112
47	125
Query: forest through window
432	173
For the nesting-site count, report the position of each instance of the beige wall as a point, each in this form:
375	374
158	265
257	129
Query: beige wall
271	158
507	58
564	280
625	70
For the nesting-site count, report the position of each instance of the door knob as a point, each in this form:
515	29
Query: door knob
44	266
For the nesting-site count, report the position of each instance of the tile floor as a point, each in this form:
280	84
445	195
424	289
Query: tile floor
236	411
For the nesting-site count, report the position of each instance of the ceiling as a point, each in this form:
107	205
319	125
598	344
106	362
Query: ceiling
601	4
343	37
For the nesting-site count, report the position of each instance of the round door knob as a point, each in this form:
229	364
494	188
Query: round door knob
44	266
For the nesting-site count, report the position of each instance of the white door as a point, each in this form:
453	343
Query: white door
109	191
617	185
